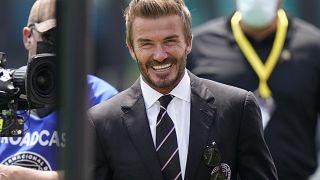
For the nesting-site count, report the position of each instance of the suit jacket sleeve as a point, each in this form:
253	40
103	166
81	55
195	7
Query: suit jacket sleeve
254	158
100	169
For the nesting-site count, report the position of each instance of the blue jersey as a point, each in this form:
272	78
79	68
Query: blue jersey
42	141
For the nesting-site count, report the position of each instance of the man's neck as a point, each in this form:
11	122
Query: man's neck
42	112
259	34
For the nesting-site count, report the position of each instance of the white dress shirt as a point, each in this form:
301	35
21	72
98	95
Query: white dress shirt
178	110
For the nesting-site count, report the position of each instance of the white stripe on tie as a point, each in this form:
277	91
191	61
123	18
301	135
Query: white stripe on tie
164	139
165	165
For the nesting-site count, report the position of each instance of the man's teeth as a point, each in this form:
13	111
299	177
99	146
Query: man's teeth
159	67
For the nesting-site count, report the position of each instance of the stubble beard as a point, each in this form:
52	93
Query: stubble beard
164	83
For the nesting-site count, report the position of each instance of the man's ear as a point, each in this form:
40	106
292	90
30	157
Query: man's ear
189	45
131	49
26	32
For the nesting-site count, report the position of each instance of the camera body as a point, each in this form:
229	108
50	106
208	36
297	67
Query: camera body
28	87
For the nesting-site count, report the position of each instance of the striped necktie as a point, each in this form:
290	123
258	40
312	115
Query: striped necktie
166	142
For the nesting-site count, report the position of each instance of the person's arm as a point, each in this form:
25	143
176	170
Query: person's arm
99	90
255	161
100	168
22	173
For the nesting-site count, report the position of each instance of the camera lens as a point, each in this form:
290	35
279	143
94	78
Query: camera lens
44	81
41	84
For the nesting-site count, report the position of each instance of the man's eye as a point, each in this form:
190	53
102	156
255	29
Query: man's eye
145	45
170	42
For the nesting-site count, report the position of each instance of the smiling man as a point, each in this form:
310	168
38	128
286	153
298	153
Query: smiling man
160	53
169	123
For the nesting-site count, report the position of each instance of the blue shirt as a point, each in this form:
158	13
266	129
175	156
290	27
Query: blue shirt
40	145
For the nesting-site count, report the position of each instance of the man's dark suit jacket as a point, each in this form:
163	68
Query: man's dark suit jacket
219	113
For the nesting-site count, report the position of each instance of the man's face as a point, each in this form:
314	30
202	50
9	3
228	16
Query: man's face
34	37
160	49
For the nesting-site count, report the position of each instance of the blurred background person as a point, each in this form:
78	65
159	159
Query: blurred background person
38	148
259	48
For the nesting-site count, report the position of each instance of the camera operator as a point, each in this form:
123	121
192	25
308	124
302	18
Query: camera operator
34	156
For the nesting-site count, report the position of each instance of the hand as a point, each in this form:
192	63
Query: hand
6	172
22	173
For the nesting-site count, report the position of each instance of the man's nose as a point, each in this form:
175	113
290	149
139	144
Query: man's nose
160	53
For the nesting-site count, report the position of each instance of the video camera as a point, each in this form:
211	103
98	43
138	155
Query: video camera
28	87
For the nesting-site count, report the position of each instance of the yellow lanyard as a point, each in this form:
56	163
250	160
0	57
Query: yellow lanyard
263	71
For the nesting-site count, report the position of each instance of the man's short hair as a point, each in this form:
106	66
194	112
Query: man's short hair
156	9
43	15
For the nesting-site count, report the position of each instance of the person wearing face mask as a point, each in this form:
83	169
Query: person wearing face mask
259	48
35	154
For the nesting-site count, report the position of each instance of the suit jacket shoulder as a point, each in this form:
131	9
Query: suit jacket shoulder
230	117
117	104
221	93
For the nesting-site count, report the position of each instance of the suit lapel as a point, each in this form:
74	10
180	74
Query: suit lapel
202	116
135	119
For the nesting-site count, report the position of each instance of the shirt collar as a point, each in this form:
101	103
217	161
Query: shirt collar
181	91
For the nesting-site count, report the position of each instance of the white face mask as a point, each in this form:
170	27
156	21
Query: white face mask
257	13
